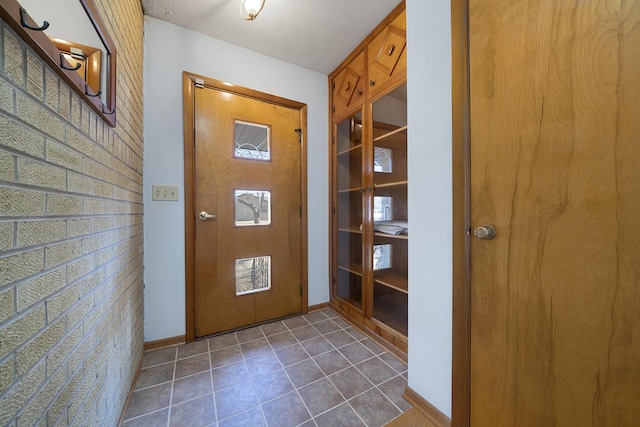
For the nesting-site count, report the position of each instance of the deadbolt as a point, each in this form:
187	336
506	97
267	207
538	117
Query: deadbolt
485	232
205	216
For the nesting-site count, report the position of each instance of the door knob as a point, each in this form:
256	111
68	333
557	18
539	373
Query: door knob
205	216
485	232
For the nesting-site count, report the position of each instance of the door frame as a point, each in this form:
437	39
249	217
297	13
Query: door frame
189	81
461	187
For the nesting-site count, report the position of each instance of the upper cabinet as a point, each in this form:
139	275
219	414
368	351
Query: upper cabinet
348	87
387	57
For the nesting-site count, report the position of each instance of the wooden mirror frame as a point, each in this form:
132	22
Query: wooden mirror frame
10	11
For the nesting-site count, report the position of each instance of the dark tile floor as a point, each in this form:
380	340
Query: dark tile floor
312	370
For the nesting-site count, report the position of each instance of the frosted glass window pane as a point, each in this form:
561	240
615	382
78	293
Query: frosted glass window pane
253	207
383	160
252	141
381	257
253	275
382	208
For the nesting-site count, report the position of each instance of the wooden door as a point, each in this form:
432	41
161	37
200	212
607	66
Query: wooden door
248	175
555	168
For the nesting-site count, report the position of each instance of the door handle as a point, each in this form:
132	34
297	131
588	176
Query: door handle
485	232
205	216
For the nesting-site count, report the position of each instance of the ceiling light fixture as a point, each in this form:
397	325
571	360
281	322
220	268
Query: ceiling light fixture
250	9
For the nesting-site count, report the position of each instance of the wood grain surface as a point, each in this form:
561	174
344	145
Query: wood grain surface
218	243
555	168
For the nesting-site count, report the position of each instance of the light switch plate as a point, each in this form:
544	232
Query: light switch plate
164	192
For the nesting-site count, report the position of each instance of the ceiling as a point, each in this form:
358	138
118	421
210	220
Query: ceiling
313	34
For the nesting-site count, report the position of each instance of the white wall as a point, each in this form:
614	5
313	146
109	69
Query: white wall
68	20
169	50
430	201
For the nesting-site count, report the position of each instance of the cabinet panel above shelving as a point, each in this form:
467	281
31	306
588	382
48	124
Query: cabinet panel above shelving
348	87
387	58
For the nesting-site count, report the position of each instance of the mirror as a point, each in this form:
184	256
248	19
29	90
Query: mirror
70	36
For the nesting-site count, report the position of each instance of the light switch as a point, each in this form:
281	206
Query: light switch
164	192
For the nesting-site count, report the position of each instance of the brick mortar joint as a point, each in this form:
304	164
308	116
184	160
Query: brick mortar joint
54	243
85	336
136	258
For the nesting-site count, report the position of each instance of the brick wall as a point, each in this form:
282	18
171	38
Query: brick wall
71	306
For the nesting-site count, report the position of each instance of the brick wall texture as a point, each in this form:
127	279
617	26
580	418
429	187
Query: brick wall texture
71	244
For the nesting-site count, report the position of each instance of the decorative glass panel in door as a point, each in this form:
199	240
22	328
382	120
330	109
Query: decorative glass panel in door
251	141
253	207
253	274
348	140
391	238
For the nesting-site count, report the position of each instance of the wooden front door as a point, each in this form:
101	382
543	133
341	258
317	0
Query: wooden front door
248	210
555	169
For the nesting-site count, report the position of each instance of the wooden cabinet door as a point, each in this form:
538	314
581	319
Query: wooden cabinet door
348	87
387	57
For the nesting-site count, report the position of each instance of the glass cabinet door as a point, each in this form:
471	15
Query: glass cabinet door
390	222
349	158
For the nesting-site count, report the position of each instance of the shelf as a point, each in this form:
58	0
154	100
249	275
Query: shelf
392	279
388	134
350	230
350	190
353	268
390	318
349	150
392	236
390	184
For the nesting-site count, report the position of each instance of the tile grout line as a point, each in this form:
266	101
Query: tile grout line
327	376
334	348
376	356
213	391
385	395
175	364
374	386
356	337
253	388
353	365
142	415
295	389
347	401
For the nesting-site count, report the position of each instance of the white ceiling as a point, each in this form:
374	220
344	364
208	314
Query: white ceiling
314	34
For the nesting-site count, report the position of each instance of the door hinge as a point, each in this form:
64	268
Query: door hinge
334	210
334	280
199	83
333	84
300	211
299	132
